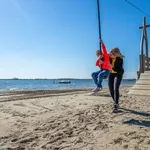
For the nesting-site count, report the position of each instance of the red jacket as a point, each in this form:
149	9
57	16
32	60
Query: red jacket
105	64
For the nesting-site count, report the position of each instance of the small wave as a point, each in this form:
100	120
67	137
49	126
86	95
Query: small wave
13	89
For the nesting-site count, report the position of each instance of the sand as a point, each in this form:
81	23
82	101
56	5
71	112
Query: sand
73	120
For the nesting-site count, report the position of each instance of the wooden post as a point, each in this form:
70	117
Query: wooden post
138	75
142	54
144	36
141	70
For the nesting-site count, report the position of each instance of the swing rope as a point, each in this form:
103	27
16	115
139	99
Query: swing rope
99	29
99	23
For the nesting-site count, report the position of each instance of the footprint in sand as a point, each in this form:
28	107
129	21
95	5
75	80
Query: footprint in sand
119	140
20	104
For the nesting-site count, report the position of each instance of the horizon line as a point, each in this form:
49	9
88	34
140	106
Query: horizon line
48	78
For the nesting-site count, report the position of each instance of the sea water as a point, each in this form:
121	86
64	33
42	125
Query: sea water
45	84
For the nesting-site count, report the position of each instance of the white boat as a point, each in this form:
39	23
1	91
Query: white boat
64	82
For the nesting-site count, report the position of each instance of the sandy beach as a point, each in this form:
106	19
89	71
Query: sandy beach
73	119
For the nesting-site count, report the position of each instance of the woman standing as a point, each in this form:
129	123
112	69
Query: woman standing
116	75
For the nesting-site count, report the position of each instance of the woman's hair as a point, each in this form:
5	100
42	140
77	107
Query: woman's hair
117	52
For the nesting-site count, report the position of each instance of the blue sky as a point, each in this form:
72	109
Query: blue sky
58	38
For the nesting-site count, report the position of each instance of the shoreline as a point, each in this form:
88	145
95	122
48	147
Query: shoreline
6	96
57	89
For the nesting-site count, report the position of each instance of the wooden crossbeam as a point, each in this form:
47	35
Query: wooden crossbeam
147	26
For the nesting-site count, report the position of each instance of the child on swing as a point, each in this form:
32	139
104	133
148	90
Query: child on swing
104	67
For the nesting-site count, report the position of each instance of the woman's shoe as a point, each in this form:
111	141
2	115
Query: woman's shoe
115	108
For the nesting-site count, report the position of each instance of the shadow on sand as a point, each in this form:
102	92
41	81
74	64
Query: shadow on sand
137	122
134	121
135	112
